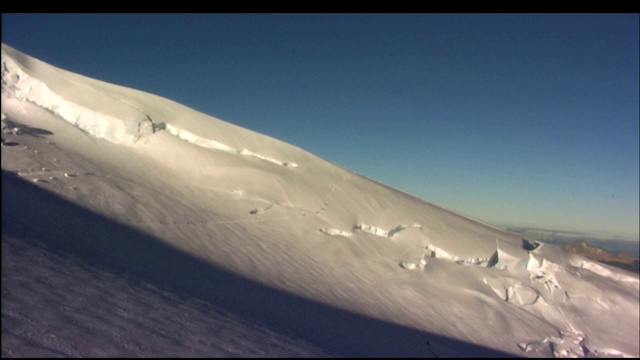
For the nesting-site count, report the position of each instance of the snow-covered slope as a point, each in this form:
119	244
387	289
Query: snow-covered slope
282	217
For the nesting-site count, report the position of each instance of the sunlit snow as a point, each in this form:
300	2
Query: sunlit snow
276	214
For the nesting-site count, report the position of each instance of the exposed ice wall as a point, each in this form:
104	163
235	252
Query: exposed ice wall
19	85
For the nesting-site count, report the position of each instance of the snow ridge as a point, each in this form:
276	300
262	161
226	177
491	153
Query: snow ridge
18	85
212	144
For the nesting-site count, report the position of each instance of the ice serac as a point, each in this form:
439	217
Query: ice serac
280	216
19	85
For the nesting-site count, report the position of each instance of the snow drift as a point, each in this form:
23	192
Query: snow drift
278	215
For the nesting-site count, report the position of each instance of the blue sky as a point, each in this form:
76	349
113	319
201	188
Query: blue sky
513	119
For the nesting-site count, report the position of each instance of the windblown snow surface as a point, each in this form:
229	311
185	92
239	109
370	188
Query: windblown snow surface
329	255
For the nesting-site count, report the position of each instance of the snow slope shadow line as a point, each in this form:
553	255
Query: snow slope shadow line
29	211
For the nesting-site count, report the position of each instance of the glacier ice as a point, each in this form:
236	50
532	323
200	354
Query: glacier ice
18	85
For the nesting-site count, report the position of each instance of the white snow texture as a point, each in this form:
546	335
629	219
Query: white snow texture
280	216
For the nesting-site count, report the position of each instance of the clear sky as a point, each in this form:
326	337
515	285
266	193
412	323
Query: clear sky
527	120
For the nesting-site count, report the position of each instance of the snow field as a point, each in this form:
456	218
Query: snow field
318	230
